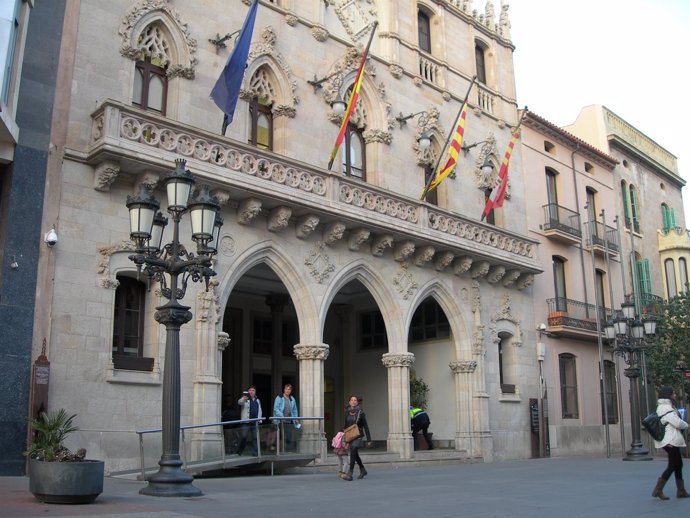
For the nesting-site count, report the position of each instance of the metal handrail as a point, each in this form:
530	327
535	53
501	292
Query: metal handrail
278	422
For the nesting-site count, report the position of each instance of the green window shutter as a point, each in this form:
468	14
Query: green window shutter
644	278
626	211
664	218
633	209
671	218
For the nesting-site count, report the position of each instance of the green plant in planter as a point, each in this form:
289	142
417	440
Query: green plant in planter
56	475
50	430
419	392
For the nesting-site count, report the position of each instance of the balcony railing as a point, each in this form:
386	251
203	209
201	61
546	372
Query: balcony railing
601	236
560	219
430	70
572	317
127	141
486	99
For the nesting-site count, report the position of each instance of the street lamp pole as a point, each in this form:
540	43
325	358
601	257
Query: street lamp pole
630	336
146	230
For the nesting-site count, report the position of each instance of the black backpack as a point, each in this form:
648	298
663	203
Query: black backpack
652	423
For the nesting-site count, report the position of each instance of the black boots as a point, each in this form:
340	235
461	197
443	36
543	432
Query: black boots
363	472
658	489
681	492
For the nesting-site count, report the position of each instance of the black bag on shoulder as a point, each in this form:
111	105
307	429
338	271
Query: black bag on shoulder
652	423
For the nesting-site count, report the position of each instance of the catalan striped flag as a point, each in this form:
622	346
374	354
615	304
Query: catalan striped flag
354	95
498	193
453	150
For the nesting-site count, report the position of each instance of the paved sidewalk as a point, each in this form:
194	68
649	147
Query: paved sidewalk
562	488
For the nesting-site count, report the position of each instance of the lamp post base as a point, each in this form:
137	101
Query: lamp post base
171	481
637	453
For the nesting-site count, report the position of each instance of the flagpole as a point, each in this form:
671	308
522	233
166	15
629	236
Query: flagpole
445	146
353	98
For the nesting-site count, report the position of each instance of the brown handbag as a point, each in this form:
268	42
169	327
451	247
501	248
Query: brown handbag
352	431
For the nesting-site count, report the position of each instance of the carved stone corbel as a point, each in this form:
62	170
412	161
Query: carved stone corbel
306	225
510	278
462	265
443	260
479	269
279	218
380	243
333	232
525	281
403	250
496	273
105	174
248	210
356	238
424	255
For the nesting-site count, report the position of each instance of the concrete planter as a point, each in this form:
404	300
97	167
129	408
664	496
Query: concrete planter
66	482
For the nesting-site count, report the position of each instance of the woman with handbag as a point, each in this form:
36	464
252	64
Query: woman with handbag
354	415
672	442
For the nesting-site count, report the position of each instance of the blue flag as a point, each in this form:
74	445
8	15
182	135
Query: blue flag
227	88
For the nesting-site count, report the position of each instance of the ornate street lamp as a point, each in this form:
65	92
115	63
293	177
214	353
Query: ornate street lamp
174	261
630	336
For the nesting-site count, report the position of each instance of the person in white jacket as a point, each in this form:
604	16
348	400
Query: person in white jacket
672	442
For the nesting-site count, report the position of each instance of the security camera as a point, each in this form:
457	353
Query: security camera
541	327
51	238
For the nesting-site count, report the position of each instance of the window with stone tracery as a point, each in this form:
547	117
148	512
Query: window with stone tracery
353	151
150	89
260	112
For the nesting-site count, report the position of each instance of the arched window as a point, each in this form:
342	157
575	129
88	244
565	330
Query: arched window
150	90
128	326
568	378
670	271
429	322
552	198
634	213
480	61
423	31
353	153
505	362
624	200
609	399
683	274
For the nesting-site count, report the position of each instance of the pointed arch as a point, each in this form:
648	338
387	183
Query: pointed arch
449	305
360	271
181	60
278	260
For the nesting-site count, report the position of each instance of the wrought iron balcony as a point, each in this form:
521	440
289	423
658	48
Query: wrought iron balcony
129	142
575	319
600	237
561	224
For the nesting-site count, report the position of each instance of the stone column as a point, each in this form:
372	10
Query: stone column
207	442
464	411
311	358
399	434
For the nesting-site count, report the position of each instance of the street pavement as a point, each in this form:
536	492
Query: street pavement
559	487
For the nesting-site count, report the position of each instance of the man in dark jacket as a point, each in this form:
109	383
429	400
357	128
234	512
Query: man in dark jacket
420	421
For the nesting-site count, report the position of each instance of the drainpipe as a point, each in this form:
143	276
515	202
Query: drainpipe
577	204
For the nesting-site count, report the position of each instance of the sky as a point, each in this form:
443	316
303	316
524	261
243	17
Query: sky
632	56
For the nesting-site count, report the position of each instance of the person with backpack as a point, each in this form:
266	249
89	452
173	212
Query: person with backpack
672	442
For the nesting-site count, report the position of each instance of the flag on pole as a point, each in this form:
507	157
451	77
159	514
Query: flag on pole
227	88
354	95
453	150
498	193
